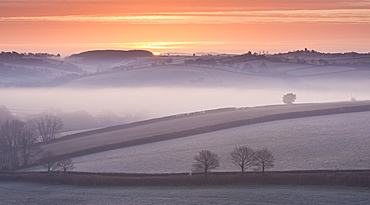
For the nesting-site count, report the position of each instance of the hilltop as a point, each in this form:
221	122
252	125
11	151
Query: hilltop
109	55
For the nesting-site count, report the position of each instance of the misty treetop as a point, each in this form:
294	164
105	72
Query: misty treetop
289	98
15	55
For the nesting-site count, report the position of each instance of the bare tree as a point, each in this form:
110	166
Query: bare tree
65	165
27	141
47	160
205	161
5	114
289	98
3	151
243	157
11	134
48	126
263	159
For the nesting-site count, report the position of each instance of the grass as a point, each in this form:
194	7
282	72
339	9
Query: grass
173	127
359	178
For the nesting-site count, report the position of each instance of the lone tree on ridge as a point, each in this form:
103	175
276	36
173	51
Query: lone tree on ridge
243	157
205	161
289	98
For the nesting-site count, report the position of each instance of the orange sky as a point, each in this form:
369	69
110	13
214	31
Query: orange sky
226	26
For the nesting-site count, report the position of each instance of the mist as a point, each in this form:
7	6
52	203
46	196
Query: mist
153	102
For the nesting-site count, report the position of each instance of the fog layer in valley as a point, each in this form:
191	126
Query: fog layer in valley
155	101
135	83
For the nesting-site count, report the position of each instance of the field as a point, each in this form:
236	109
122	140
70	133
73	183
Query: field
355	178
187	125
24	193
333	142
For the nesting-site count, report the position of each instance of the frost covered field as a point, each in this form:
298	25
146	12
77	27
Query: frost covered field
326	142
24	193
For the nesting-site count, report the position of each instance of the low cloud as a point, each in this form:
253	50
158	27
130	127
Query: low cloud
218	17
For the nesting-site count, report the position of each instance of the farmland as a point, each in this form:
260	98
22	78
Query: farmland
170	128
337	142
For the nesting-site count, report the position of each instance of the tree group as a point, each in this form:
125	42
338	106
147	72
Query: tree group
18	138
49	162
242	156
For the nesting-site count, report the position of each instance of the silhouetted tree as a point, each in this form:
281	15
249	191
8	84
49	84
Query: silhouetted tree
65	165
243	157
15	136
27	141
5	114
289	98
48	126
47	160
263	159
205	161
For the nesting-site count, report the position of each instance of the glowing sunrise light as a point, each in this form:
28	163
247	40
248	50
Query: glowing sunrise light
224	17
156	53
234	26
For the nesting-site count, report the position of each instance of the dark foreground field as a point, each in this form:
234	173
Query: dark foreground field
359	178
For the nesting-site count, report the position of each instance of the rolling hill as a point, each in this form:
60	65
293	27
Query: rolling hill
330	142
178	126
174	76
138	68
258	73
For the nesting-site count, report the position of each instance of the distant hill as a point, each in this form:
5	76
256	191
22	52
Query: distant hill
32	69
110	55
118	68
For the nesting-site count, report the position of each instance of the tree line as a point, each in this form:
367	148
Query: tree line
17	138
77	120
242	156
50	164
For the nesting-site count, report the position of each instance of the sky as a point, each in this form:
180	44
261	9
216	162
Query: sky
187	26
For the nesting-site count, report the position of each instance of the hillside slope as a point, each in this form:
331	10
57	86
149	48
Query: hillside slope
176	76
189	124
274	74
